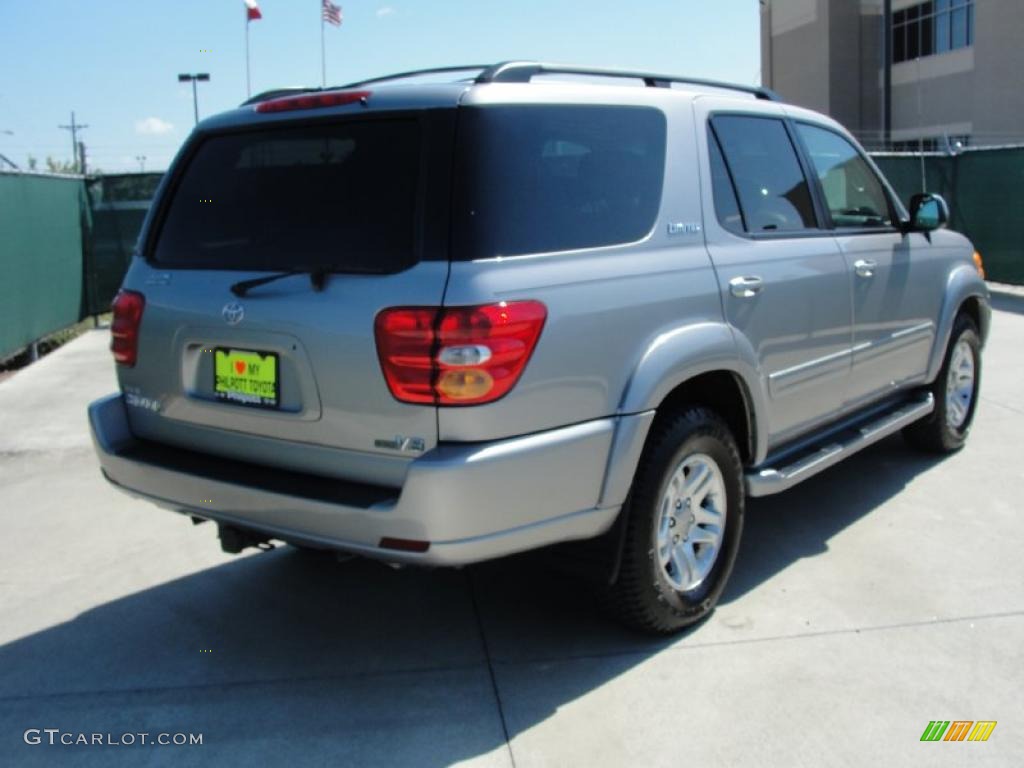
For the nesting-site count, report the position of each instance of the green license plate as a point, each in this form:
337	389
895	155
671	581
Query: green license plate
246	377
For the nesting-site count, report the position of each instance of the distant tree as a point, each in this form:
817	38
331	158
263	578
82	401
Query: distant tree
32	163
131	186
60	166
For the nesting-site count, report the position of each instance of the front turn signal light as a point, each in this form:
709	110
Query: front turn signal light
979	265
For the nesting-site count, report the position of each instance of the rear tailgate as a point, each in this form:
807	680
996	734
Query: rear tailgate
298	383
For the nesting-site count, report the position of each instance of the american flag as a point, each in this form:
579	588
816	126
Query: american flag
332	13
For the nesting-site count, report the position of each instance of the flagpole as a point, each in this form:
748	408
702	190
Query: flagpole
323	51
248	78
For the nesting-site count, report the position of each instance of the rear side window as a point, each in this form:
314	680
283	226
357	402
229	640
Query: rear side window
853	192
769	182
537	178
726	205
338	195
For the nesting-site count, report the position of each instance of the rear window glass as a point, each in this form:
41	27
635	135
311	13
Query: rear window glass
337	195
533	179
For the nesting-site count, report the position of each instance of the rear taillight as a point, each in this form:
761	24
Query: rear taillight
124	329
457	355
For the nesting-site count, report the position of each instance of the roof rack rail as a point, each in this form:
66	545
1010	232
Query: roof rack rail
417	73
524	71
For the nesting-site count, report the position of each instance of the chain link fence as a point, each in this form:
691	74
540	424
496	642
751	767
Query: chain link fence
65	243
983	188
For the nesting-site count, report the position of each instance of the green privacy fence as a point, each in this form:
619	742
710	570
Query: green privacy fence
65	243
118	204
41	235
985	191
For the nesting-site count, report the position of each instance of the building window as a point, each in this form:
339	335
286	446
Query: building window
929	28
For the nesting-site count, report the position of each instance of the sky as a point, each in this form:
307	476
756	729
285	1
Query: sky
115	62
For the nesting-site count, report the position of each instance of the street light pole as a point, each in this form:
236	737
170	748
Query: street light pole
199	77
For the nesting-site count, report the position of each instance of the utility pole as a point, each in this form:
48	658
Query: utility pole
887	74
81	158
74	128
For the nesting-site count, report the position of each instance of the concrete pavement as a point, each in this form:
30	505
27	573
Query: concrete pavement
881	595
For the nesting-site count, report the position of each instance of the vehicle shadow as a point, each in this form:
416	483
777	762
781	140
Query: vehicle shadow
531	616
291	656
784	528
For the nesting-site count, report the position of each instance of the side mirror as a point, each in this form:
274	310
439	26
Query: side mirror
928	212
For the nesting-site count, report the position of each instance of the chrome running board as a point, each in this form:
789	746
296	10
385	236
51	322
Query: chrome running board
766	480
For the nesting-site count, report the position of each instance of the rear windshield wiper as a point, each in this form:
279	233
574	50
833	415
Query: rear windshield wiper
317	278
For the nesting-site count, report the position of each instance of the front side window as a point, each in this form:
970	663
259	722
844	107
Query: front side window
538	178
854	195
769	182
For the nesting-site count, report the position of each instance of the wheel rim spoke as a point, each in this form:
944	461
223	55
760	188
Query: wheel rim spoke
707	514
680	568
702	535
698	484
691	558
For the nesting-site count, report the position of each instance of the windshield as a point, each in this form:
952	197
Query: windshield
340	196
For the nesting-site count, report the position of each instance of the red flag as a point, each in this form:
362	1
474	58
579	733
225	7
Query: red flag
252	10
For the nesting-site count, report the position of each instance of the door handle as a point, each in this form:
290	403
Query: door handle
865	267
745	287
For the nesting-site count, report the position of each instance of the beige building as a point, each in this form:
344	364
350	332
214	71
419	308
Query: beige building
902	73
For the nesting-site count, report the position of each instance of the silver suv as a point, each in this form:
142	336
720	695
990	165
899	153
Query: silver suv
441	322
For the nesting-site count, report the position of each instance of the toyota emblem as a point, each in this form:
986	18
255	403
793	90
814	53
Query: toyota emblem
233	313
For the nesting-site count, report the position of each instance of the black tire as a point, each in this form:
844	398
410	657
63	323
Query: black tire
936	434
642	595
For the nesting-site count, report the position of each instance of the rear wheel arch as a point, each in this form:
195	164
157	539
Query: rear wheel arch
724	393
642	589
721	393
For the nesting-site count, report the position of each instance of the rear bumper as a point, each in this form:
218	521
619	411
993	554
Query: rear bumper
471	502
